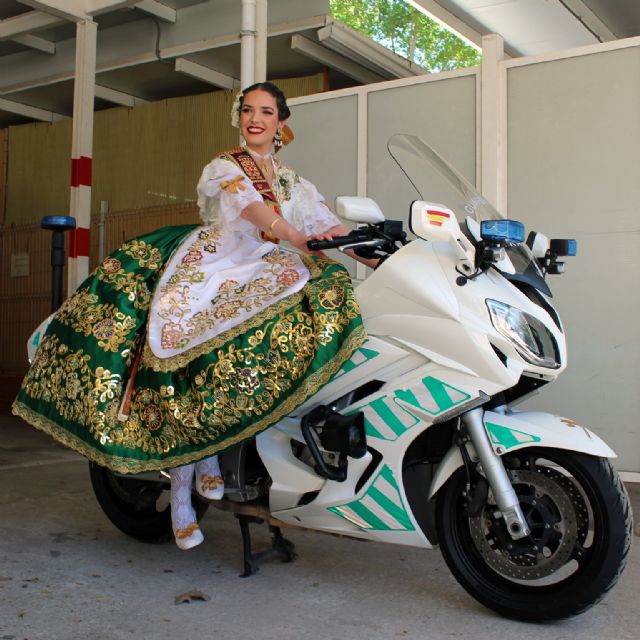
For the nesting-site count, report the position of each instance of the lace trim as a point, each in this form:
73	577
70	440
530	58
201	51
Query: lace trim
127	465
167	365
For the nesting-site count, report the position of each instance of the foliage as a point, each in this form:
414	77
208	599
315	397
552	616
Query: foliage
407	32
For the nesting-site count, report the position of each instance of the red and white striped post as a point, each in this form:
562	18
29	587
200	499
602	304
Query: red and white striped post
82	151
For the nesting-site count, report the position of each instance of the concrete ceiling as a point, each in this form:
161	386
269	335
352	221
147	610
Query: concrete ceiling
531	27
155	49
151	49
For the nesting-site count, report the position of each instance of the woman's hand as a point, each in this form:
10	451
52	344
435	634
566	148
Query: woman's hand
299	241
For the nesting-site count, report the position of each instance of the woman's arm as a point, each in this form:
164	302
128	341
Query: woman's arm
263	217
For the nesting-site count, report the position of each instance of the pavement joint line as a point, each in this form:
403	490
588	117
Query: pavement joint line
40	463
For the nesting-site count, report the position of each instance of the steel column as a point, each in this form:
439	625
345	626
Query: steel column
82	151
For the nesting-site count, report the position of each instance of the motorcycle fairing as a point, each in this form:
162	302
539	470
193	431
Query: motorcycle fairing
394	416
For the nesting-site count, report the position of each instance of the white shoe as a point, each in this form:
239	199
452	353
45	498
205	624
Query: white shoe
209	482
189	537
183	516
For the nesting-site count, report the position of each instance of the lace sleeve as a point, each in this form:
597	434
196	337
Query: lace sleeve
224	191
310	213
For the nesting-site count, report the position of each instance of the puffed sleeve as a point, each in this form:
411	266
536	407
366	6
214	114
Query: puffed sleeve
224	191
311	214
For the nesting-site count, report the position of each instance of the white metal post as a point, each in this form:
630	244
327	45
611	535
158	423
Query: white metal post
248	44
82	151
261	40
493	122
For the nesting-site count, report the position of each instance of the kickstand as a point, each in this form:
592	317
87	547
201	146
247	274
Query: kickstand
280	546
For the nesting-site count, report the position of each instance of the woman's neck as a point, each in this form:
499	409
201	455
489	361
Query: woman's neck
263	153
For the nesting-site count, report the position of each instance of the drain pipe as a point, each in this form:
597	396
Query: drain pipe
104	210
261	41
248	44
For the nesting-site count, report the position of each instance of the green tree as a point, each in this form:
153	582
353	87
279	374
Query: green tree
407	32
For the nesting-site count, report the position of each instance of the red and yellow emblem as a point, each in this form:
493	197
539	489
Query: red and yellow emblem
436	218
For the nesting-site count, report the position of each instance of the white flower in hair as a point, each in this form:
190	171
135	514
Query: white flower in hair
235	111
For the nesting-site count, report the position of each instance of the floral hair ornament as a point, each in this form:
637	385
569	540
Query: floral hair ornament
286	137
235	110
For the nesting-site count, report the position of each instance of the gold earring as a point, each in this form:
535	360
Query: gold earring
277	140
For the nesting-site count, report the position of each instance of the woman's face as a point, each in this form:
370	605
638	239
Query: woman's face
259	120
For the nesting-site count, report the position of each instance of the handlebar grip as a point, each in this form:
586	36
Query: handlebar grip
356	235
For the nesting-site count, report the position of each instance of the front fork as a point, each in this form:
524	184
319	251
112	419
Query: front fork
496	475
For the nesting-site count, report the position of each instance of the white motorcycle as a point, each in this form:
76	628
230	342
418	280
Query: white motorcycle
415	441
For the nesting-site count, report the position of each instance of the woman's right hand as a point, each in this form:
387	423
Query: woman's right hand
299	241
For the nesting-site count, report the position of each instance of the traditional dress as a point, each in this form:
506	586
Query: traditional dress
191	339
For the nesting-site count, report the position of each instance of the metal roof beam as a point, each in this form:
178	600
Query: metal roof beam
325	56
28	111
117	97
34	42
121	47
434	10
589	20
27	23
158	9
73	10
206	74
368	54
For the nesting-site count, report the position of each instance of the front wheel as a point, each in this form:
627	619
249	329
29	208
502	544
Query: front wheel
137	506
580	520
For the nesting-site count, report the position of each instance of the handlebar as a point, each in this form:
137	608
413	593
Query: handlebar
357	235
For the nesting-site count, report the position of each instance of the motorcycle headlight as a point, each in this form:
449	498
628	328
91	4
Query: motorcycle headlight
531	338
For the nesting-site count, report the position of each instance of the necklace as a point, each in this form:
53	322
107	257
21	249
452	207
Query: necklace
265	162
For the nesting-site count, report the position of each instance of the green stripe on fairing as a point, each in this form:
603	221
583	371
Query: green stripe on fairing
508	438
368	516
389	418
439	394
396	512
350	365
399	514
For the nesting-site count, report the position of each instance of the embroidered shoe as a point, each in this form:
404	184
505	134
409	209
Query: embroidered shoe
183	516
209	482
189	537
210	487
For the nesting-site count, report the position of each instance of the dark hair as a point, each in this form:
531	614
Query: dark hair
276	92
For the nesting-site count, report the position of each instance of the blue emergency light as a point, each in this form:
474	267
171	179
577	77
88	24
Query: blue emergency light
502	231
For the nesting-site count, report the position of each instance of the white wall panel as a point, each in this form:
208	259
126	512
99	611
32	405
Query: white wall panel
325	146
442	113
574	167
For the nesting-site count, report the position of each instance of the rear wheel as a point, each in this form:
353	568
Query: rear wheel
138	507
580	520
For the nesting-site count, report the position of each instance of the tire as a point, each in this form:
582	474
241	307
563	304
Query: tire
132	504
581	530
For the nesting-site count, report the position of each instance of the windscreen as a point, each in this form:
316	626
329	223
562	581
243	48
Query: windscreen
438	182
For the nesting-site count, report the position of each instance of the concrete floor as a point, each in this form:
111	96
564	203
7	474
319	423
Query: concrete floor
67	573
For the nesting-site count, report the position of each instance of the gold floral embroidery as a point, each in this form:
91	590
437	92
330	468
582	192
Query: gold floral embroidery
188	531
234	185
208	482
108	326
147	255
133	285
65	379
233	299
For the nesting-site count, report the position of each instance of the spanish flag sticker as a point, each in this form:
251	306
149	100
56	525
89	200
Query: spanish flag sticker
436	218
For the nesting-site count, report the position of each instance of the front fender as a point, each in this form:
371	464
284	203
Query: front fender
521	429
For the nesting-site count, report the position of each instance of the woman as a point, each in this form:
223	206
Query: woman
192	339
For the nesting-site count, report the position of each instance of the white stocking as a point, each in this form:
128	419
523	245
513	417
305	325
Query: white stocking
183	515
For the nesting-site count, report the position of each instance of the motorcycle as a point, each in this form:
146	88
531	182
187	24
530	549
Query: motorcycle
416	441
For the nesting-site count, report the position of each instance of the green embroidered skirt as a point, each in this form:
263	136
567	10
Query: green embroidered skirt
248	380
